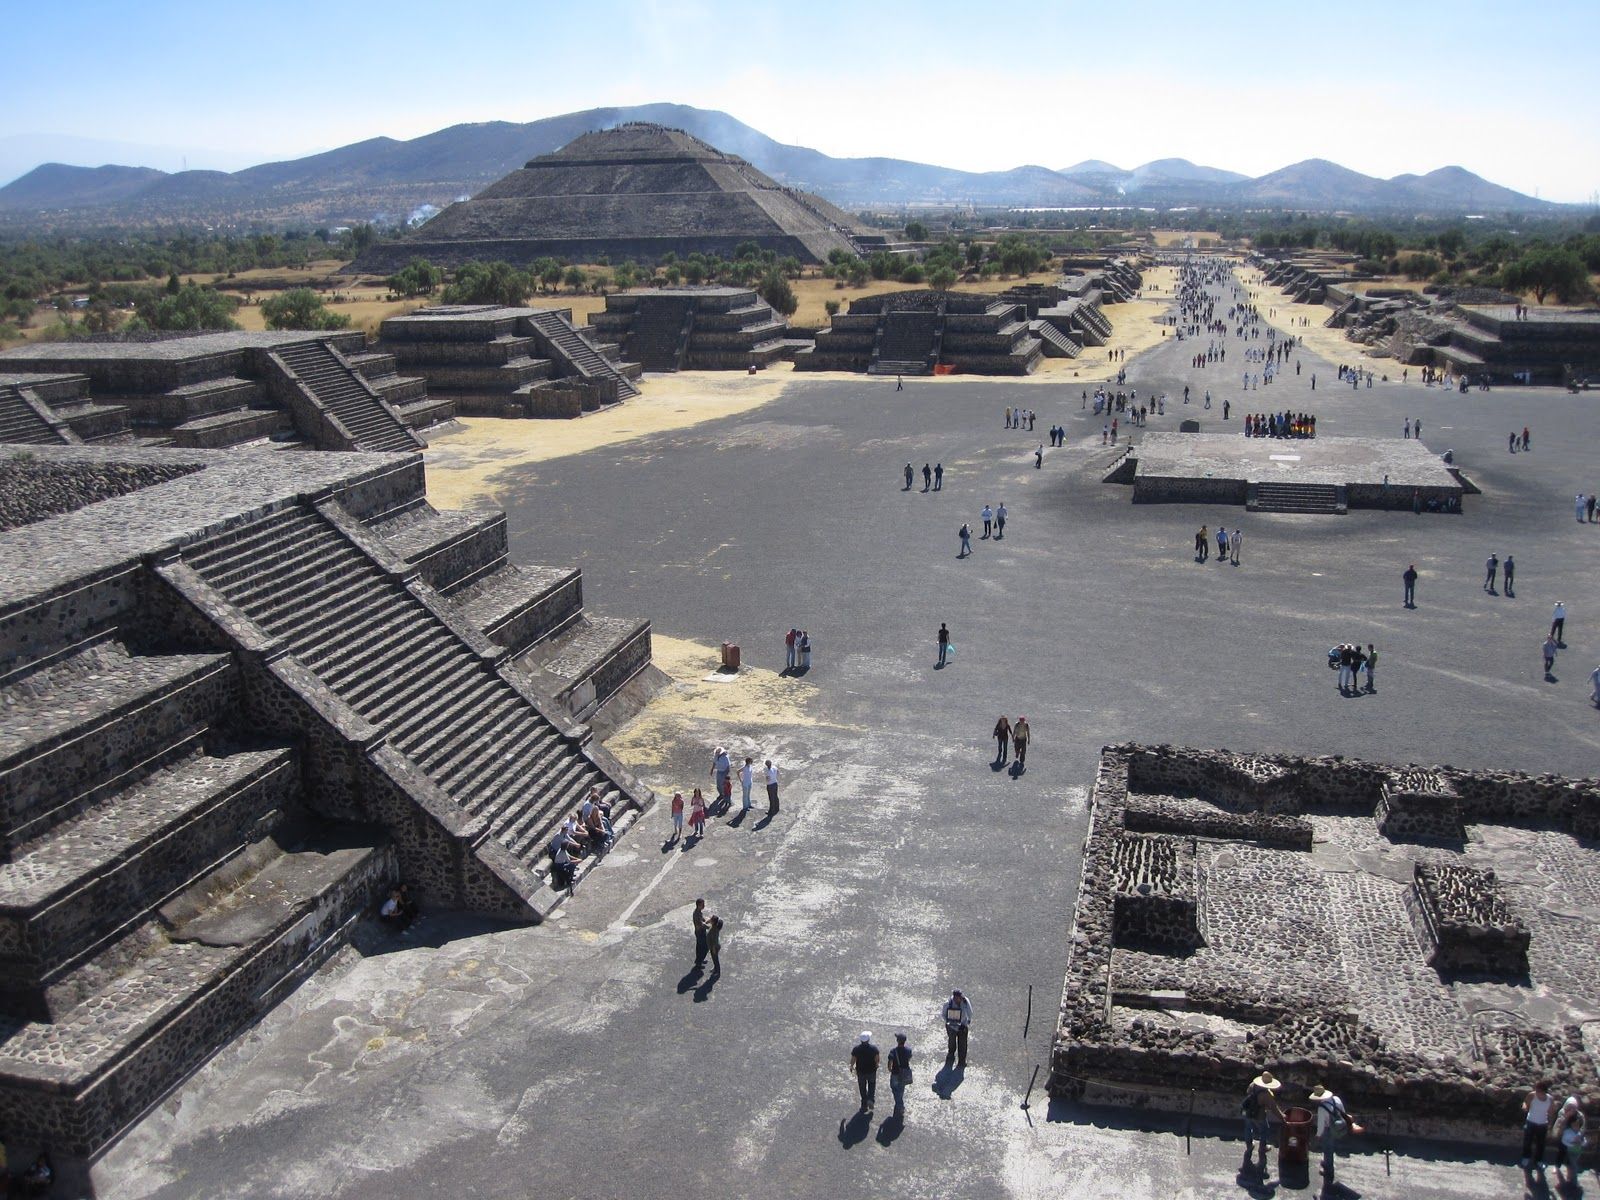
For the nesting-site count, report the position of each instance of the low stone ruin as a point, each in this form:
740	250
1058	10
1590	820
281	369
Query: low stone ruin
1462	918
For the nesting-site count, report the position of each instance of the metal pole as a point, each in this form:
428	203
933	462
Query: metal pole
1188	1126
1029	1095
1028	1020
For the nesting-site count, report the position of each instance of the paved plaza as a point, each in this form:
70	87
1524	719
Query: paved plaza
586	1058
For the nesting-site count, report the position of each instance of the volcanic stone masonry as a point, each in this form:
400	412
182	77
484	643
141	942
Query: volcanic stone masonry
243	693
1241	912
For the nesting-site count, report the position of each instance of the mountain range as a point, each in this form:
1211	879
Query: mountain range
390	181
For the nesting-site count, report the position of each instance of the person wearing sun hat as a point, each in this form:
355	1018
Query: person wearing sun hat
1333	1123
864	1062
1259	1107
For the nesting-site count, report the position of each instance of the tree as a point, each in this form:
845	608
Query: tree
174	286
192	308
775	290
1545	269
831	307
627	274
101	317
916	231
550	275
942	278
911	273
300	308
1451	242
575	278
488	283
419	277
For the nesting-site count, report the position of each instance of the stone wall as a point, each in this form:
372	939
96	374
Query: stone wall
1461	916
31	489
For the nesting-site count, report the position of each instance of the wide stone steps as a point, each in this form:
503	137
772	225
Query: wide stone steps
1295	498
581	356
348	397
1054	339
516	606
66	728
892	367
19	423
394	661
449	547
109	864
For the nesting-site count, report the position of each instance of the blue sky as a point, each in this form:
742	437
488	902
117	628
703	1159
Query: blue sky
1506	90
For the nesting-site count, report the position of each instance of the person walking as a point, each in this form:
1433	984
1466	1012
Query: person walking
714	943
900	1076
1000	521
899	383
1002	737
1558	624
677	815
1021	735
966	540
1234	540
1410	579
1202	544
1334	1124
927	477
1594	685
908	477
1549	648
1038	461
1371	666
747	778
1509	571
1537	1106
772	789
1222	543
864	1062
988	520
1260	1105
722	772
697	814
938	477
957	1015
1490	568
1578	505
944	643
701	931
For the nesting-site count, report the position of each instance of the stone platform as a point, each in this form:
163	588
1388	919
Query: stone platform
1344	472
1425	978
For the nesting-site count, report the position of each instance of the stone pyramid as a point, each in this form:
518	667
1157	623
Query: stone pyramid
632	192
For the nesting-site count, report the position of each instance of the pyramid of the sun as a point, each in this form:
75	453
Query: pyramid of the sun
633	192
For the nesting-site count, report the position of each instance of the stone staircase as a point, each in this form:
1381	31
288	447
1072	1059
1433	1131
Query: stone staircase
377	644
1056	343
160	885
579	356
1324	498
342	392
907	344
21	423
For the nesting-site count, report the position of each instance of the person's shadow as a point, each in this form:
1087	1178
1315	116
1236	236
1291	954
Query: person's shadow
688	981
761	824
1017	769
892	1127
703	992
947	1081
854	1131
999	763
738	818
1550	676
1253	1181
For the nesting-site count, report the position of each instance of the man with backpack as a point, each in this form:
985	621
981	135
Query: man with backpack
1259	1107
1334	1124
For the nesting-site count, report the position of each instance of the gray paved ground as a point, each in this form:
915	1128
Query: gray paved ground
581	1060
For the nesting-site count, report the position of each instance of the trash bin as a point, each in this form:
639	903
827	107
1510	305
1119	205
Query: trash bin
1294	1141
730	656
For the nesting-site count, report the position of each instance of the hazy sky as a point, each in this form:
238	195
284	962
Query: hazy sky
1506	90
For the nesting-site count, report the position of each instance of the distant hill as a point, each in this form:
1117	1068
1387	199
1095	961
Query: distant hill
388	180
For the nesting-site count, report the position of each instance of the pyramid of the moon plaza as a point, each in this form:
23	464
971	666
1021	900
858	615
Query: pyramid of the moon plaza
633	192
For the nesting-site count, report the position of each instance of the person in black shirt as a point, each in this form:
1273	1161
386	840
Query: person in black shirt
864	1062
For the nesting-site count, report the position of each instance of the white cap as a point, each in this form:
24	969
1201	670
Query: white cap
866	1035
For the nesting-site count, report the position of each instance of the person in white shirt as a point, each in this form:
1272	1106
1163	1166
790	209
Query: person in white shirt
1558	623
772	789
746	781
1234	541
1536	1110
1333	1123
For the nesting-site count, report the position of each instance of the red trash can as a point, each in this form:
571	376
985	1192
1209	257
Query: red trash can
1294	1140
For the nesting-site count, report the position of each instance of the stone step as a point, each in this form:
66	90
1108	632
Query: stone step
249	541
222	954
516	606
528	813
106	867
86	718
451	547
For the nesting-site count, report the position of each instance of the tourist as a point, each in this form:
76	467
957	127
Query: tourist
701	932
1416	428
805	651
1105	432
1490	568
1558	624
1371	666
722	772
1334	1123
1038	456
747	780
714	943
1202	544
938	476
1021	735
1526	443
927	476
1589	506
38	1179
988	520
1260	1105
788	646
908	477
697	814
1578	506
1536	1108
1235	539
594	824
677	816
1008	418
1594	685
864	1062
1410	578
1002	737
1222	543
1511	442
1000	521
966	540
1549	648
562	869
1509	571
900	1076
398	910
772	789
1408	427
1570	1125
944	644
899	383
957	1015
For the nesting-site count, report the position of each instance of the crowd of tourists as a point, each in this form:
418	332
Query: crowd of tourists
1281	425
586	834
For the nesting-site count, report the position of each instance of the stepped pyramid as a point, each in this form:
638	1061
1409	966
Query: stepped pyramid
636	191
